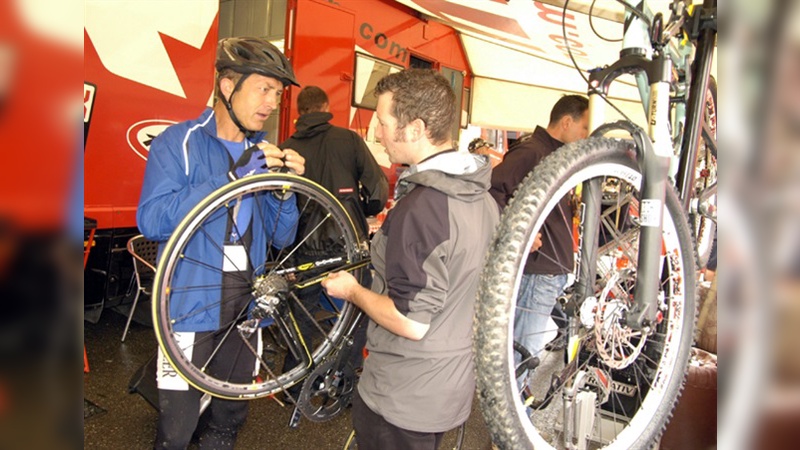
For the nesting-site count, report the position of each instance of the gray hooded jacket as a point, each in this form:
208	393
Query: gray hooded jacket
428	256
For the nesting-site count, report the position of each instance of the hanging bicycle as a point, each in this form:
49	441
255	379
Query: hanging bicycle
631	309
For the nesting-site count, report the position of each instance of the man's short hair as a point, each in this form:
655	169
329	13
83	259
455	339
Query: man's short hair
311	99
422	94
572	105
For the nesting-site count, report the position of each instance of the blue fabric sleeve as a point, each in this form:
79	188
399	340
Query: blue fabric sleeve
167	195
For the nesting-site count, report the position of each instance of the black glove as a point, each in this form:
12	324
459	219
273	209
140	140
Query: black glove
251	162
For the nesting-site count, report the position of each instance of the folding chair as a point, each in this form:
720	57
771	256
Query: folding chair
144	252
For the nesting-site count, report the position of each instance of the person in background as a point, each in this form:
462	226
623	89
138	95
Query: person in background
339	160
479	146
187	162
545	273
418	380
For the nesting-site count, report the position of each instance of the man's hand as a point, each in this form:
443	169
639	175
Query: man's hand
537	243
262	157
340	285
293	161
251	162
286	160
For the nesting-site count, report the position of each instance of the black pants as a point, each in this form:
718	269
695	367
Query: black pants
373	432
179	410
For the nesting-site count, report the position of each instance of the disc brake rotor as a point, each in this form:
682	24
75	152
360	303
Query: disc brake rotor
327	391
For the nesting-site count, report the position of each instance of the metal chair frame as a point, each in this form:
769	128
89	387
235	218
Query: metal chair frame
144	252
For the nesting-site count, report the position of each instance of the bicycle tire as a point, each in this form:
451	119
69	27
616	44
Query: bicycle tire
168	291
500	396
705	174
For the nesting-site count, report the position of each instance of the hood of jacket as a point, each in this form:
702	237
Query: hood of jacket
312	124
464	176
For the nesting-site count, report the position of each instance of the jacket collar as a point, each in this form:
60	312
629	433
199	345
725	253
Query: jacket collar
210	126
312	124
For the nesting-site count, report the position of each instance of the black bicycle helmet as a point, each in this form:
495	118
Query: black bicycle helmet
247	55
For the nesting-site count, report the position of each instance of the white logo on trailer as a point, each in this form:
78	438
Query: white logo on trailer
142	133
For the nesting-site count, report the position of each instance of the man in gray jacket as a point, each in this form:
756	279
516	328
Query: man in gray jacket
340	161
418	379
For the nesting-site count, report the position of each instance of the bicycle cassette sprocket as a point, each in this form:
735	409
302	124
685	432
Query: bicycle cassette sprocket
327	391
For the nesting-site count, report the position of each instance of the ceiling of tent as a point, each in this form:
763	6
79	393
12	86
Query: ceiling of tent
516	31
511	44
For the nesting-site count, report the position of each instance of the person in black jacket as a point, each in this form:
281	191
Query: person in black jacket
546	269
339	160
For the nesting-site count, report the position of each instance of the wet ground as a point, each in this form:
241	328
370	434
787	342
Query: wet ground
117	419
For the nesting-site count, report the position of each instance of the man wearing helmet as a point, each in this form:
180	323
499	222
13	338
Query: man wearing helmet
187	162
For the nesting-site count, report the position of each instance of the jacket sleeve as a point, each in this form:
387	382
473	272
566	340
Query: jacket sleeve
167	194
374	185
507	176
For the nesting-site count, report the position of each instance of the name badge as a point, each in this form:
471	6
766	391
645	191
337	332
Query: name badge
234	259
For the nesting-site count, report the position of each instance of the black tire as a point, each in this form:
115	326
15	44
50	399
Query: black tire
281	267
705	175
663	355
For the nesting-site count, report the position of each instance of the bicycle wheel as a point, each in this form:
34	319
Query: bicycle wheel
611	387
705	175
256	289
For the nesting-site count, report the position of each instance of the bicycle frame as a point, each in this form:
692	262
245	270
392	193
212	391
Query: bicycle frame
705	28
654	152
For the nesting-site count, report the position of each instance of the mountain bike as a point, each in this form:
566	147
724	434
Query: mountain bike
631	308
259	302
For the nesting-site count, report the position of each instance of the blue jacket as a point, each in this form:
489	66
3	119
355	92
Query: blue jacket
186	163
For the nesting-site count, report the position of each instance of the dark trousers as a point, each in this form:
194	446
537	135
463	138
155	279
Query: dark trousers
373	432
179	410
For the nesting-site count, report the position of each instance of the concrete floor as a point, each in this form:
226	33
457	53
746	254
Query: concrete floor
127	421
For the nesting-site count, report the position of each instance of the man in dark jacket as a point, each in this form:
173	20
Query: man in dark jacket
339	160
545	273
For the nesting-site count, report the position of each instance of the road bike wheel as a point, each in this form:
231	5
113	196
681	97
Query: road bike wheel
615	387
705	229
261	292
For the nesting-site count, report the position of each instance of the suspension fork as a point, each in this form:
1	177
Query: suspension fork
652	204
654	155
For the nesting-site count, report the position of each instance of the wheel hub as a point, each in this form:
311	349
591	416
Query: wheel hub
268	291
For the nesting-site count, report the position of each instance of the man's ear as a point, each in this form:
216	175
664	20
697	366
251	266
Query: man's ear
226	88
566	121
417	129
